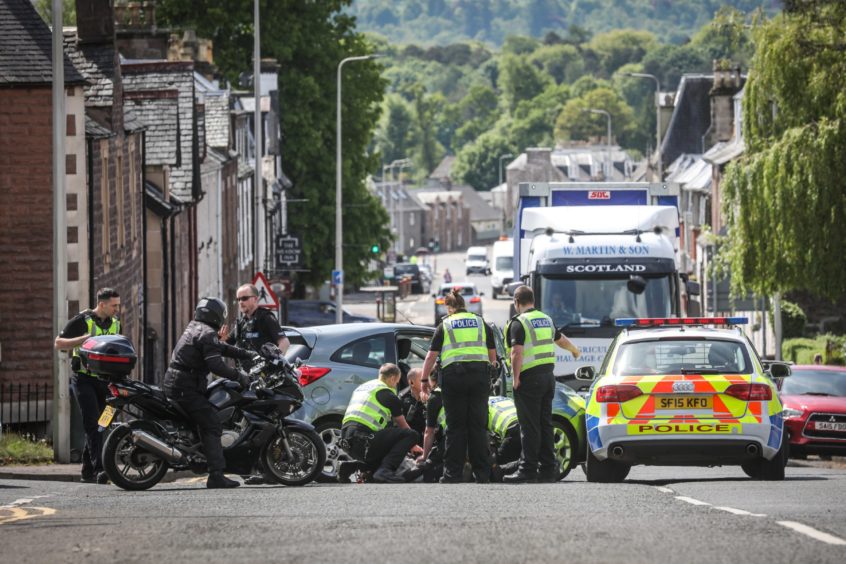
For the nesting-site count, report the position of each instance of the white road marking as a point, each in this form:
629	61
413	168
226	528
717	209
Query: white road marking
22	501
813	533
691	501
664	490
740	511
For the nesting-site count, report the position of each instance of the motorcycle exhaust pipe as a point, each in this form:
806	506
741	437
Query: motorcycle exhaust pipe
617	452
157	446
752	449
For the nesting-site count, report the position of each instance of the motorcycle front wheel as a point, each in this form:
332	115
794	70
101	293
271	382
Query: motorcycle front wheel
307	460
129	466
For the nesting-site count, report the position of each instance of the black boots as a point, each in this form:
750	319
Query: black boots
217	481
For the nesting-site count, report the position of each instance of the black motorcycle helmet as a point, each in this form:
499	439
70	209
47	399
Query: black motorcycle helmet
211	311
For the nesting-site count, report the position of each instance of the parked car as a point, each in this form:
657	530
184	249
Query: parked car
338	358
472	297
307	313
814	399
427	274
419	283
476	261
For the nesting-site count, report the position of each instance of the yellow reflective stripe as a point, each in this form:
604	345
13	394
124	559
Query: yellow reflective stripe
114	329
540	348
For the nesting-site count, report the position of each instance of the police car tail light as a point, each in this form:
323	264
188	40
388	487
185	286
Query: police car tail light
440	301
750	392
678	321
617	393
475	300
309	374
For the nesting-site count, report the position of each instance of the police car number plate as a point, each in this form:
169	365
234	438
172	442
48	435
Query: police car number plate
106	417
683	402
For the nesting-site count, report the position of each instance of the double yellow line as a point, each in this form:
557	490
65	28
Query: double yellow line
11	514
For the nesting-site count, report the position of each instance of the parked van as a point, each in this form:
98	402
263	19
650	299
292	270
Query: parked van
477	260
502	266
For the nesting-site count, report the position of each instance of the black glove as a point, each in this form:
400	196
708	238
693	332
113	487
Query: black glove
244	379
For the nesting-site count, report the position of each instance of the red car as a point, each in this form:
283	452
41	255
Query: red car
814	399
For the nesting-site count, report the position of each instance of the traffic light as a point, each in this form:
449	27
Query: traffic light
374	248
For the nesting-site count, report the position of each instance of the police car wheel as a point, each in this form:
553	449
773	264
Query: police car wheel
605	471
770	470
565	444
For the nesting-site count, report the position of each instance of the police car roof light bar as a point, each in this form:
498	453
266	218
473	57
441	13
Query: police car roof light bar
678	321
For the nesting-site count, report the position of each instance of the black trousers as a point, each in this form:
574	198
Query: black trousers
465	388
204	415
510	447
533	400
90	394
383	448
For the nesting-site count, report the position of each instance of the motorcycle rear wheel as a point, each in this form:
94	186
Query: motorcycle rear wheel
129	466
309	455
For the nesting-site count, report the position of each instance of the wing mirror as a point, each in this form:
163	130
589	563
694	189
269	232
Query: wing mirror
777	369
585	373
636	284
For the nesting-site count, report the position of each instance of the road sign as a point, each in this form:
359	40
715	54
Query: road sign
267	298
288	251
337	277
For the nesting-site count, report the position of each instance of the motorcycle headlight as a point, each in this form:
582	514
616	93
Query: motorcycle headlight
790	413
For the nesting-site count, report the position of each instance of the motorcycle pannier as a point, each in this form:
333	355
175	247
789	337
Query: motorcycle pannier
108	356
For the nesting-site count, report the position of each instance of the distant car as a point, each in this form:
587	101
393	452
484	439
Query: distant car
427	274
814	399
307	313
675	392
476	261
338	358
472	298
502	267
419	283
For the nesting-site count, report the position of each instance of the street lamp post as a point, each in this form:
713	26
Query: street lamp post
499	172
339	228
657	117
608	117
394	212
401	206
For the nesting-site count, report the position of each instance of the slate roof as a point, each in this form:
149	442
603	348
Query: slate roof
444	168
26	47
95	130
217	119
161	93
480	210
691	118
96	62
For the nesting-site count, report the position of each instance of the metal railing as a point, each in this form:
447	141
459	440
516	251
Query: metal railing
26	408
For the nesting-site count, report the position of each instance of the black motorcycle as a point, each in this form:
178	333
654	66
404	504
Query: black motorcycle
257	429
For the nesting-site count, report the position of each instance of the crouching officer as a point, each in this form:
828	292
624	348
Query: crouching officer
503	424
531	341
198	352
365	430
431	462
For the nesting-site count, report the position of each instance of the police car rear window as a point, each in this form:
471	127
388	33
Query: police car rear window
681	356
465	291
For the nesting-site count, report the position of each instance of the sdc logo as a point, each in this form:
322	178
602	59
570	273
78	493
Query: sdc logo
599	195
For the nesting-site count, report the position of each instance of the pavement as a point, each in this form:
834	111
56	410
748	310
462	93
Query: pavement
61	473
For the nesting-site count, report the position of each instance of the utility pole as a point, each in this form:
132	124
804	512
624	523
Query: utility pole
660	167
258	194
61	401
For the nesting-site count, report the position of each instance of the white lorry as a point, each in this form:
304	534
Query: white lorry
594	252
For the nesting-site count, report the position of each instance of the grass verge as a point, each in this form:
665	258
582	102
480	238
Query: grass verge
16	449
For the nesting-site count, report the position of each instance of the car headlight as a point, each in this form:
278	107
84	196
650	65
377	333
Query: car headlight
790	413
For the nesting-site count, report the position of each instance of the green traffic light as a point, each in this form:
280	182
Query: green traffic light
374	249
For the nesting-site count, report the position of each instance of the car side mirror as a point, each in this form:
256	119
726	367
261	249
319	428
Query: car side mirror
585	373
481	294
693	288
434	295
777	369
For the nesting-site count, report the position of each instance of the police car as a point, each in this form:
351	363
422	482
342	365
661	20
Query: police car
683	391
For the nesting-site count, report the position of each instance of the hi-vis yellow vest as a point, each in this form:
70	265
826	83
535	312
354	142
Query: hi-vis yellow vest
464	339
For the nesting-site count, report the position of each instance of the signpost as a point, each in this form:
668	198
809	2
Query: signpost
289	251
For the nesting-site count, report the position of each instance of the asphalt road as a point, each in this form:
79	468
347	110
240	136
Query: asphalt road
657	515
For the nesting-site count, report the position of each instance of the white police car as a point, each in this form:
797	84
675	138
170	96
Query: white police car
675	392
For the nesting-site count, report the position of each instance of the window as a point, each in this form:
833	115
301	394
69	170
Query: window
416	352
369	351
411	222
672	356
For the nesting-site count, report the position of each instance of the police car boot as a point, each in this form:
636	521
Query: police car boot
218	481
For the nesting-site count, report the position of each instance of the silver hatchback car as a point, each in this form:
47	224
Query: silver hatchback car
471	294
337	359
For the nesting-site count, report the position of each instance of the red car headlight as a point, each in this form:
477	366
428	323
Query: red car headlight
790	413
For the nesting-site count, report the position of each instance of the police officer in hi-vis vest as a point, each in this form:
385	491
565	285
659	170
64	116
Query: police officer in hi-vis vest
531	339
89	390
365	428
466	348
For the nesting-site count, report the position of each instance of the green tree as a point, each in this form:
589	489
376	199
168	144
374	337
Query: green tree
519	81
563	63
475	114
309	39
427	151
45	10
476	164
534	119
621	46
785	204
395	139
575	122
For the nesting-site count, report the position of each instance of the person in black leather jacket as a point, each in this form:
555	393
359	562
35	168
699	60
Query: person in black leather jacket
198	352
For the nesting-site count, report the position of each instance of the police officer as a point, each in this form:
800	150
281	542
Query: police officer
503	424
90	392
198	352
365	429
413	406
432	459
531	338
465	345
255	326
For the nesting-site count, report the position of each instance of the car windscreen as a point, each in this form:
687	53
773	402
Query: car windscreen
406	269
803	382
593	302
681	356
504	263
477	258
465	290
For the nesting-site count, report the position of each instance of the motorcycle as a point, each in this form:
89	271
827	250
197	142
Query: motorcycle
257	429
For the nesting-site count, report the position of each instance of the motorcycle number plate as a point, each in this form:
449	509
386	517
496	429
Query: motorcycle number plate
106	417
